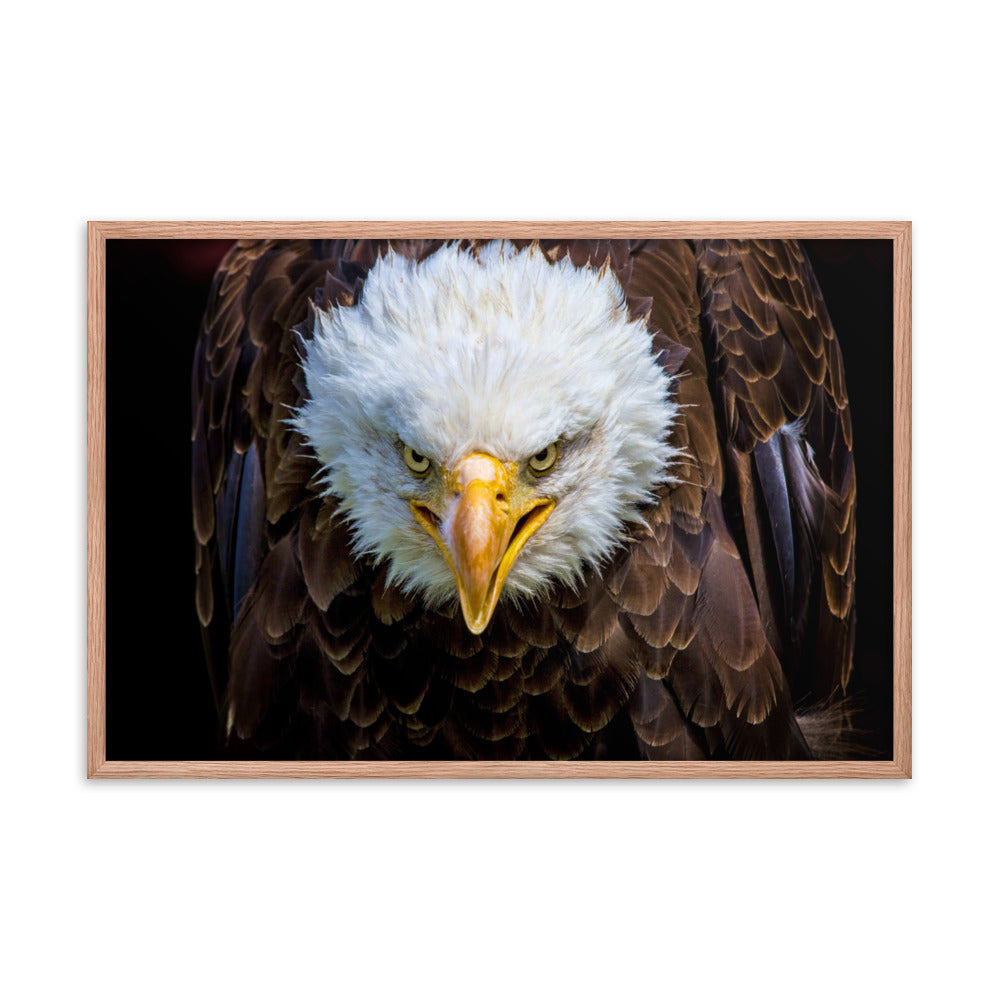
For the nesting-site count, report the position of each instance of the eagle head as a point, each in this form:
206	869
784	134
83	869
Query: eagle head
490	421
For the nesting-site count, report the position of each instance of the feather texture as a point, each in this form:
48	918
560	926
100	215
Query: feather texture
730	599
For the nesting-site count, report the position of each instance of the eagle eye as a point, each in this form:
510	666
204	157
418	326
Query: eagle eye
417	464
543	461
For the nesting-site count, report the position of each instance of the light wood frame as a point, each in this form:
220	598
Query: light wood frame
899	767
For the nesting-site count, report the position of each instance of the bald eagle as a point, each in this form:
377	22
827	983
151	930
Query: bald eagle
522	500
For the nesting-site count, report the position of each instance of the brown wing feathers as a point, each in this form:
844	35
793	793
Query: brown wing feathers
786	425
669	653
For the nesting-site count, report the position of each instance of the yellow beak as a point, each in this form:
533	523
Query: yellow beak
485	517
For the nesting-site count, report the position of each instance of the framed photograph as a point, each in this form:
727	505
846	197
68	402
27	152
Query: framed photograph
499	499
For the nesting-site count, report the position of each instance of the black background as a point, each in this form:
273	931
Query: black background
159	703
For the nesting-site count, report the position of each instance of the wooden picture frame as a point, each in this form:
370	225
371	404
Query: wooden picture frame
98	764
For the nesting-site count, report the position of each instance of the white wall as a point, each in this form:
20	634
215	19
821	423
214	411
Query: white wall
519	110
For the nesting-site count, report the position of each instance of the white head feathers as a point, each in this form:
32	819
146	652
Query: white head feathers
497	351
